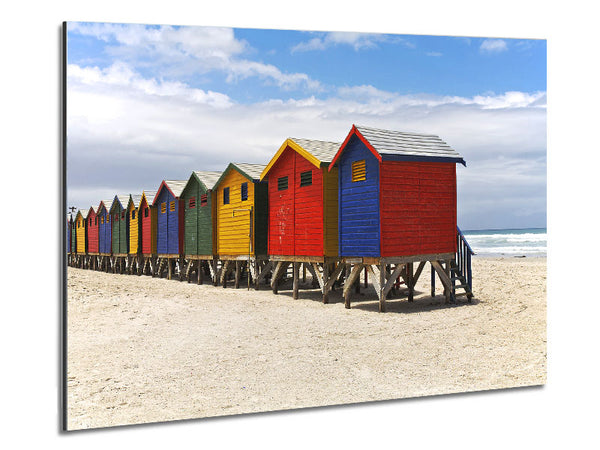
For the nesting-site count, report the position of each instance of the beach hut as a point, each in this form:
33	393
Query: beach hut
397	206
104	234
80	238
198	238
241	220
303	210
69	238
169	231
92	237
148	228
69	226
134	225
119	232
73	239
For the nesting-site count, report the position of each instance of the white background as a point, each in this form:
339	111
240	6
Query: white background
562	413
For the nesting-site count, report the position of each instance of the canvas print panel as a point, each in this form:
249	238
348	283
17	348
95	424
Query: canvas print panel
263	220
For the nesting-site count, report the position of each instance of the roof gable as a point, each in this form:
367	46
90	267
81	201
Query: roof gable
204	178
388	145
175	187
319	153
119	201
250	171
104	204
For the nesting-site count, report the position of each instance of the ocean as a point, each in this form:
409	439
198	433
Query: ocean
515	242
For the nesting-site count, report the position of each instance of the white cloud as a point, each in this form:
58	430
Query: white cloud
493	46
358	41
185	51
134	132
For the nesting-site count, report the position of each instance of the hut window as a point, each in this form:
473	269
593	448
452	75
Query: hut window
226	196
163	207
107	219
123	215
172	206
244	191
203	200
192	203
102	220
145	212
282	183
116	217
359	171
306	178
133	213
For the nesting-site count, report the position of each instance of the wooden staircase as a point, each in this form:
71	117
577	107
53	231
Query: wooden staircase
460	268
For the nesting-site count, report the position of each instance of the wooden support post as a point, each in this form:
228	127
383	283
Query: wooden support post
350	280
200	271
237	274
224	272
296	276
409	281
280	269
215	272
366	277
324	288
169	269
432	280
304	273
382	293
445	279
263	273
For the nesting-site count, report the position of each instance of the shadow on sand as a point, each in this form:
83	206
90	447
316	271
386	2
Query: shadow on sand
367	299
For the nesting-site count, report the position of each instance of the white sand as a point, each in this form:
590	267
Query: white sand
146	350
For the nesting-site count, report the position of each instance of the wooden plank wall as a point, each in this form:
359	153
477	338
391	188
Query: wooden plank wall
359	203
190	221
330	211
232	231
104	231
134	228
281	206
418	208
308	210
80	231
92	232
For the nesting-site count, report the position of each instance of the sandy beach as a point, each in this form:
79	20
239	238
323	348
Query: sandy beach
142	349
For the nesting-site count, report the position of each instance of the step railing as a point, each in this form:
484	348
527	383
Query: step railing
463	258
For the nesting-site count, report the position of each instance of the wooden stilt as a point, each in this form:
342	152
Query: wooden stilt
325	280
200	271
409	281
237	274
296	276
352	277
224	273
304	273
382	293
432	280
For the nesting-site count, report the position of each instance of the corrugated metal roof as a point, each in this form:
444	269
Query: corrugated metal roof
122	199
107	204
208	178
324	151
136	199
252	170
403	144
176	186
149	196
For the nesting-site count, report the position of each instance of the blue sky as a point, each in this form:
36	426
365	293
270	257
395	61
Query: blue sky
147	103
